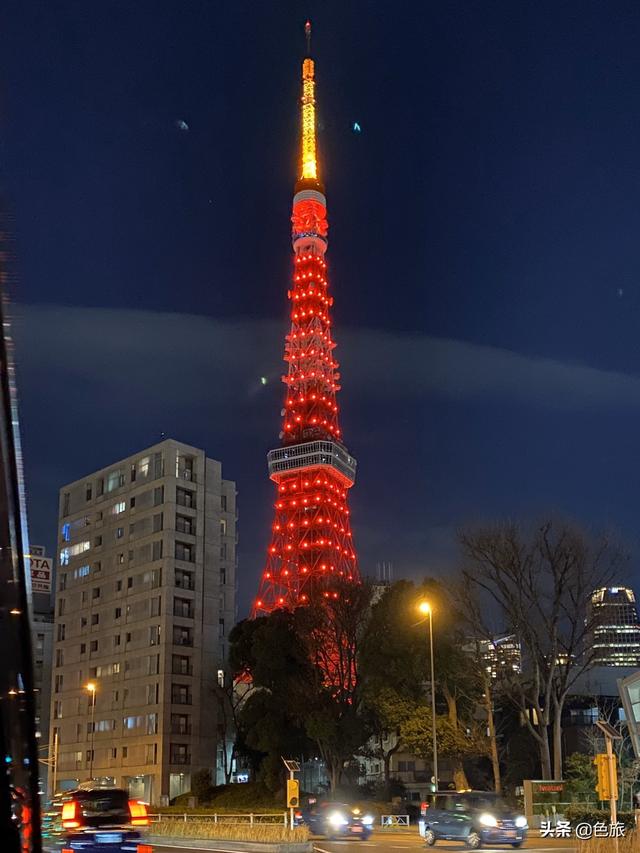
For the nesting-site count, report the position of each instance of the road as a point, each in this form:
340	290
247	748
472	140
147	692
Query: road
388	841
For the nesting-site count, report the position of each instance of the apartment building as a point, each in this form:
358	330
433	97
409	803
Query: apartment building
145	598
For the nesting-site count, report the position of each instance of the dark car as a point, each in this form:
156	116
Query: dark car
336	820
95	819
475	817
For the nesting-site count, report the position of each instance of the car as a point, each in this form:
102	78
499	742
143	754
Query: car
475	817
95	819
336	820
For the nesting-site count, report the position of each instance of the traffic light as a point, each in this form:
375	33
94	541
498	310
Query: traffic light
603	786
293	793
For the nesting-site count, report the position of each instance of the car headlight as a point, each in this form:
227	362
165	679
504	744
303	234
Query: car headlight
337	819
521	822
367	819
487	819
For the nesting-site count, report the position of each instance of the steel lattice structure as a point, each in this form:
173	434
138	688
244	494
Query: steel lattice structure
311	543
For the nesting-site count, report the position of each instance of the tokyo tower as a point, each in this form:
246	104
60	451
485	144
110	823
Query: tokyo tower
311	550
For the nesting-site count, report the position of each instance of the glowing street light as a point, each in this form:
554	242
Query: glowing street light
92	688
425	608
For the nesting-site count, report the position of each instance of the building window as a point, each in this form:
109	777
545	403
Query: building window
95	618
83	648
119	507
117	613
116	640
115	480
59	680
119	532
185	524
157	522
72	551
154	610
156	553
181	665
184	580
57	710
183	607
93	646
59	657
182	636
158	495
95	593
97	541
132	502
154	635
179	753
223	503
180	694
221	677
185	552
66	500
61	631
125	751
186	498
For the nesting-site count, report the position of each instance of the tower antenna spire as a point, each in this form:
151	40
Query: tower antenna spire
307	32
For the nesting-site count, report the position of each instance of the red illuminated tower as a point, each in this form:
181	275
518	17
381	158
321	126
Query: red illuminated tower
311	546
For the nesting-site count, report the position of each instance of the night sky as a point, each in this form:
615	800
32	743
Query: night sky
484	252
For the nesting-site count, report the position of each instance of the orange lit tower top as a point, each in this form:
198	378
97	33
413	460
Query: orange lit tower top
311	544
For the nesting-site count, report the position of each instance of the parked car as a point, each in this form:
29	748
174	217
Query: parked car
475	817
95	819
336	820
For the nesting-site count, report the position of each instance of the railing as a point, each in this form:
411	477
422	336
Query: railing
247	818
387	820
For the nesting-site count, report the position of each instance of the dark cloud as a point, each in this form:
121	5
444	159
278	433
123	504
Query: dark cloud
440	427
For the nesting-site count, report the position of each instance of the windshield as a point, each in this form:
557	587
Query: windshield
491	804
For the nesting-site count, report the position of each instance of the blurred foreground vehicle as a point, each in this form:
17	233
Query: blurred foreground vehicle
95	819
336	820
475	817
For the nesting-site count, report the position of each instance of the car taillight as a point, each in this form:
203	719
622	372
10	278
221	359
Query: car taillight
138	812
298	815
70	815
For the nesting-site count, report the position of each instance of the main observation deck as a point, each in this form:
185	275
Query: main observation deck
312	454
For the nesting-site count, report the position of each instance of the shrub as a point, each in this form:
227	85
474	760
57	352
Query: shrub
228	831
584	813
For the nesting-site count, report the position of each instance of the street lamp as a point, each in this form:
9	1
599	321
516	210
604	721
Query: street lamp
425	607
91	687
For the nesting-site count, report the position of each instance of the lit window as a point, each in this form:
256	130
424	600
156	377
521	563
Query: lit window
119	507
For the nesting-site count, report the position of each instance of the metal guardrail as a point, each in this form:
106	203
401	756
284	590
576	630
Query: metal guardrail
394	820
247	818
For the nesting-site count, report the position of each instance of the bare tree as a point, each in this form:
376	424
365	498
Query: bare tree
539	586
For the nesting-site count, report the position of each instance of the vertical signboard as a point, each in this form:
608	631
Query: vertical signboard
41	569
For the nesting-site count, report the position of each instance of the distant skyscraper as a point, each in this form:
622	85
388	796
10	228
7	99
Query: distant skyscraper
145	598
614	627
501	655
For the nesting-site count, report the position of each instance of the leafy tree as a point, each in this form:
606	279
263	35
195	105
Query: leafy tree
539	584
395	669
303	667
